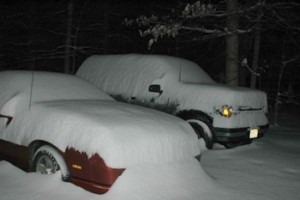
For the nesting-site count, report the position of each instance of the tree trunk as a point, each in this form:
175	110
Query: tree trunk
256	50
277	100
106	37
232	44
68	36
32	36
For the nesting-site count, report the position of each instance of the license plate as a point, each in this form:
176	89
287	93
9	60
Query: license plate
253	133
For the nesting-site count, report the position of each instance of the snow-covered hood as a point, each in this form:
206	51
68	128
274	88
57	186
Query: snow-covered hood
207	97
120	133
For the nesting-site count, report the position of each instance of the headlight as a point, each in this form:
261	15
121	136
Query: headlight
225	111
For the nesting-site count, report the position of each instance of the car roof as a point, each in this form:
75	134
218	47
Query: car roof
46	86
154	65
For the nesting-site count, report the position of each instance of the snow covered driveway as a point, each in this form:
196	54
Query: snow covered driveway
268	169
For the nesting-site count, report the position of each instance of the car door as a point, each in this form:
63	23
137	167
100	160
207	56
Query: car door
16	154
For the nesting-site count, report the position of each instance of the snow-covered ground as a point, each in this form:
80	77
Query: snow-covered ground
268	169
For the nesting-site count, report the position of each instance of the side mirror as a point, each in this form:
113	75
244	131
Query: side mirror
155	88
8	119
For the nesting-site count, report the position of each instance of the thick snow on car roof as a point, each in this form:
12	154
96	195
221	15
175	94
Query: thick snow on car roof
149	65
130	74
46	86
70	112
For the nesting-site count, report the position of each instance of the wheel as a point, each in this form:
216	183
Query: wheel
48	160
203	131
201	123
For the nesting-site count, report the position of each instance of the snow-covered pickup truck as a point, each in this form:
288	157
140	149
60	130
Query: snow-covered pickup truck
218	113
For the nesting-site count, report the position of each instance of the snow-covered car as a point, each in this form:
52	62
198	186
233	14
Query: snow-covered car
52	121
219	113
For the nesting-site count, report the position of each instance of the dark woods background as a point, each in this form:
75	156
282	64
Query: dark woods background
58	35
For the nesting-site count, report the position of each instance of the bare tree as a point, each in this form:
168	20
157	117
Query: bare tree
232	43
256	46
279	94
68	36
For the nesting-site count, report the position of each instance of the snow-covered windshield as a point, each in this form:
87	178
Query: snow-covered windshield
55	86
193	73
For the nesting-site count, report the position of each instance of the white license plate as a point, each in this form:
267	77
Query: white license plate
253	133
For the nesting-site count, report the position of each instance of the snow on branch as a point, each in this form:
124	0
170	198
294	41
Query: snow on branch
285	62
158	27
197	10
244	63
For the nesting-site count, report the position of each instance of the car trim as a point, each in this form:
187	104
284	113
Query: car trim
90	186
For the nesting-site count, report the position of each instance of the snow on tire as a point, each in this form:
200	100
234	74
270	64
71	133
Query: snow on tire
48	160
204	131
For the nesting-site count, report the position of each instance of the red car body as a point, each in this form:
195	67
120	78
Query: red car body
91	174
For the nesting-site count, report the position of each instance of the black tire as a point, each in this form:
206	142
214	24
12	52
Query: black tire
201	123
48	160
203	131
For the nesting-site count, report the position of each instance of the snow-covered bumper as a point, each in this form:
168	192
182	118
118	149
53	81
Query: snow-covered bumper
242	125
226	135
